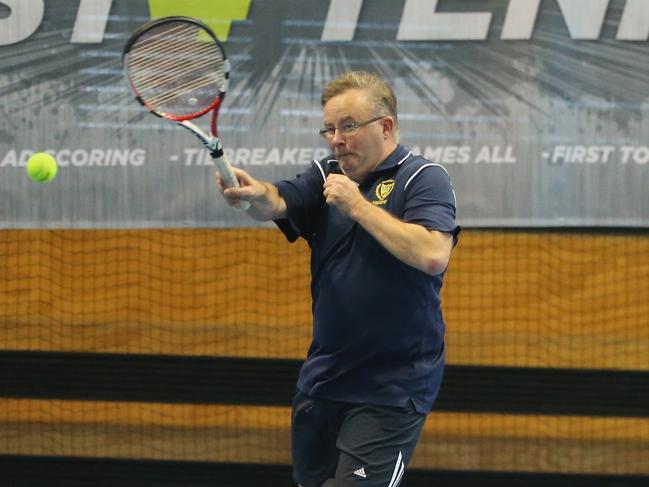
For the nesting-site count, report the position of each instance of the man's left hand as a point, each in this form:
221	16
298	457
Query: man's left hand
343	193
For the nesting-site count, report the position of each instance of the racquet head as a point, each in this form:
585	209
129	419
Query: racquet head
177	68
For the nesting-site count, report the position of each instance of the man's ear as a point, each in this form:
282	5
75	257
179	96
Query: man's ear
388	127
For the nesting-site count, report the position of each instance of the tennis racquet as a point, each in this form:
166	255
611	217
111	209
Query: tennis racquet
177	68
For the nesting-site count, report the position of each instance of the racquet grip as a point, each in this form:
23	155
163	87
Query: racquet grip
229	179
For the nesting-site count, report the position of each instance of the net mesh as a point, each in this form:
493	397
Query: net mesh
511	298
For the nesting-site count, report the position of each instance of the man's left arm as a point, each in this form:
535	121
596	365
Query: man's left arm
426	250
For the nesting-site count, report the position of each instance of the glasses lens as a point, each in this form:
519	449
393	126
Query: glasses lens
349	128
326	133
346	129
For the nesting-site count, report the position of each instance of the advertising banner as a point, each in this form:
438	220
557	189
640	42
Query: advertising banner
538	109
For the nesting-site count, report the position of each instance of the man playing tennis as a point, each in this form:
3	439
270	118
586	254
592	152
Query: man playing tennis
380	222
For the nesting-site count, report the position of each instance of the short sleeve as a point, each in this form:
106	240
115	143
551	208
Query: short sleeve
303	196
430	199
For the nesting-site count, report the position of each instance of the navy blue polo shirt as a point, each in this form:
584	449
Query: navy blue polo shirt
378	330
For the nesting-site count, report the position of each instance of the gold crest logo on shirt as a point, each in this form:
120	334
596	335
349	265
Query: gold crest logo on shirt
383	190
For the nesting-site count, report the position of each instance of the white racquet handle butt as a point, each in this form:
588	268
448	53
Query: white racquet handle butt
230	180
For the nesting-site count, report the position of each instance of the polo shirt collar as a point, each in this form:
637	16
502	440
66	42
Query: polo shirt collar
393	159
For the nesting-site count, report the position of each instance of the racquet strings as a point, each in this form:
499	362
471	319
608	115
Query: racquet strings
177	68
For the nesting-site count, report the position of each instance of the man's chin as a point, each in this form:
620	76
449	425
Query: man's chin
348	173
345	160
345	168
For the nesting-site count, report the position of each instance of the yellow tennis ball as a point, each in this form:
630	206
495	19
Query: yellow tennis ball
42	167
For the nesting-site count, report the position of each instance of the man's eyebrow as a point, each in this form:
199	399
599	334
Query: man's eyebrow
346	118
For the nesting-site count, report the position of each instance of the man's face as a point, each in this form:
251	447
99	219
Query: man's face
361	152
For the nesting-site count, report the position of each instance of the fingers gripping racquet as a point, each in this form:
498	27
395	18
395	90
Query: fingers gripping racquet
177	68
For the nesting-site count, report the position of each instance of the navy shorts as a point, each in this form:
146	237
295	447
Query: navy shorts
338	444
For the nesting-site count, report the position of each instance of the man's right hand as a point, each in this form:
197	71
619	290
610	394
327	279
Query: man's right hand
265	201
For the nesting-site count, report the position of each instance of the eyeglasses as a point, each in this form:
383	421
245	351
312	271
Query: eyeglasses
346	129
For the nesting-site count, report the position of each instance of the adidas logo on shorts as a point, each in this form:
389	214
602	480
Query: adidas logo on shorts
360	472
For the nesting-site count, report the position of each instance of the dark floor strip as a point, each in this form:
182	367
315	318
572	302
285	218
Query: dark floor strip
24	471
219	380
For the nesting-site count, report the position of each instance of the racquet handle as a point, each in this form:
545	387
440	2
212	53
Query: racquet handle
213	145
230	180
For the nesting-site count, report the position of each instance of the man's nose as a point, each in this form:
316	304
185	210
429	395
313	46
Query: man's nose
337	139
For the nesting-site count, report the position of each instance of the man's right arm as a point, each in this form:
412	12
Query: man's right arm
265	201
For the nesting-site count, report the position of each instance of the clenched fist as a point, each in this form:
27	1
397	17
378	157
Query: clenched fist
343	193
